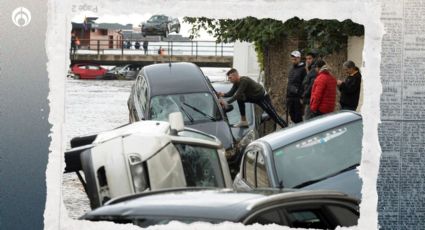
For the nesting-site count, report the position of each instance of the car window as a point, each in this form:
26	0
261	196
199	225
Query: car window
82	67
201	166
307	219
249	167
261	172
344	215
267	217
142	93
319	156
235	117
195	107
190	133
93	67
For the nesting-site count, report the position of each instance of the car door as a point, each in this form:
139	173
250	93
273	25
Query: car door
255	172
94	71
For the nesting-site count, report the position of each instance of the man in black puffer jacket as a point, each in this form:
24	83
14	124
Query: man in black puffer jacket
310	59
294	91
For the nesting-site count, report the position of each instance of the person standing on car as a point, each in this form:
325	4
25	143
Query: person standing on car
245	89
294	89
350	88
323	93
310	59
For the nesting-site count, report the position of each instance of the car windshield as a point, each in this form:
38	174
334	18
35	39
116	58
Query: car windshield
157	18
320	156
235	117
201	166
195	107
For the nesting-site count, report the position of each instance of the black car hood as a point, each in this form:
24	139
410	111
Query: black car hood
347	182
220	129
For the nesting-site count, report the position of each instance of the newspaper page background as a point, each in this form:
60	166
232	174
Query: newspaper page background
401	178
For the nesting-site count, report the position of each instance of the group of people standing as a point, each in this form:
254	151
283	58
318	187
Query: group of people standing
311	90
128	45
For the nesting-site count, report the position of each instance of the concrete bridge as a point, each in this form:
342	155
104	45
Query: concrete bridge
118	59
202	53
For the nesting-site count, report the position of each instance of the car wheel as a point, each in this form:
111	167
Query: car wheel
77	76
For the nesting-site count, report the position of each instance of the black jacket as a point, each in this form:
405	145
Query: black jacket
350	91
295	81
308	83
245	90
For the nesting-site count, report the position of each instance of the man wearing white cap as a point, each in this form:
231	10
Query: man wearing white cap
294	91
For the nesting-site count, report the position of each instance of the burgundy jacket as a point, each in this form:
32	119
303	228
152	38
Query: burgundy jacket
323	93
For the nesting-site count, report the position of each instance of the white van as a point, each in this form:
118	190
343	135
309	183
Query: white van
145	156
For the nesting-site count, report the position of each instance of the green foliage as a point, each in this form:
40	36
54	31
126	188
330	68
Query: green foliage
327	36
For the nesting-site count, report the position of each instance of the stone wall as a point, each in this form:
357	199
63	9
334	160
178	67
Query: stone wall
277	66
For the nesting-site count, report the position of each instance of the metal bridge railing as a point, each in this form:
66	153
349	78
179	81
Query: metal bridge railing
175	48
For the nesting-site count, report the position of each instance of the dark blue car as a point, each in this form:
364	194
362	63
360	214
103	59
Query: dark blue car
322	153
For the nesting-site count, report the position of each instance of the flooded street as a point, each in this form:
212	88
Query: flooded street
90	107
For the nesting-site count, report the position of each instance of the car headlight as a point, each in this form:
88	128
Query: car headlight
248	138
138	174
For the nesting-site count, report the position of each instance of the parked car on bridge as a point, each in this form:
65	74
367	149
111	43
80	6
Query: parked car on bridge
126	72
161	89
146	156
321	153
160	25
296	209
87	71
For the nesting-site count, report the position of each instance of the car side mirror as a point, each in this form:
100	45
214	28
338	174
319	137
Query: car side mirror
264	117
228	108
176	122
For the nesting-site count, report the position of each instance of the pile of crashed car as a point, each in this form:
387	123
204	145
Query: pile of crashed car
92	71
180	159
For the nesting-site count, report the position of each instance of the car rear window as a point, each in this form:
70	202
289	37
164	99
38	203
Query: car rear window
319	156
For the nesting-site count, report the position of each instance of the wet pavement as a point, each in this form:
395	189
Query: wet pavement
91	106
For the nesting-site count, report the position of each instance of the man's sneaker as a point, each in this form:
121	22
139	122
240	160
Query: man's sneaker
241	124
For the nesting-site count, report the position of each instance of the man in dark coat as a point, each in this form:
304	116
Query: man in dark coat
310	59
350	88
245	89
294	91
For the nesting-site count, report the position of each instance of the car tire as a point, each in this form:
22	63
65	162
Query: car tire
77	76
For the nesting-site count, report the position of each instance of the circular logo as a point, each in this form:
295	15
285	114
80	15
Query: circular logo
21	16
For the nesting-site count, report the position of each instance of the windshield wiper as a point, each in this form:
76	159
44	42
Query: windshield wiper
199	111
326	177
187	114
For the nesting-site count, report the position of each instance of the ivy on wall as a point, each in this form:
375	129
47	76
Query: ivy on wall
326	36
